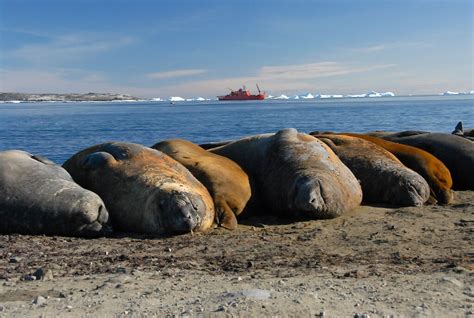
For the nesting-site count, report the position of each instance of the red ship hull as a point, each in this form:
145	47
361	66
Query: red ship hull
243	97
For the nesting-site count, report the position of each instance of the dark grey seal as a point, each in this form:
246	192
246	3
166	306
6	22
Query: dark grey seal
40	197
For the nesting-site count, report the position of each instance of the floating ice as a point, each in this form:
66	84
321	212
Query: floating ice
157	99
308	96
282	96
450	93
176	99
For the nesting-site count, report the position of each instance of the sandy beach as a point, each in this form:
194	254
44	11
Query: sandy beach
372	262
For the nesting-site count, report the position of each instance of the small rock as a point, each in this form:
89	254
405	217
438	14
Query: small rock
62	295
42	274
122	270
321	314
452	280
69	307
250	264
39	300
15	259
361	316
168	249
260	294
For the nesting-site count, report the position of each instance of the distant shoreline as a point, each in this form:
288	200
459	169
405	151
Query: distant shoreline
17	98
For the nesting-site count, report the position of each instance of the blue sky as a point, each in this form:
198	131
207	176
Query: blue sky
199	48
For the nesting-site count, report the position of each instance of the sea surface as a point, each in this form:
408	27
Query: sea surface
58	130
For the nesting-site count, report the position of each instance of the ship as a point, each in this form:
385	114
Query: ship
243	94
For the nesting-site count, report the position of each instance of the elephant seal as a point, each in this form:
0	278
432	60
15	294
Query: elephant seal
295	174
456	153
39	197
227	183
384	179
428	166
145	190
210	145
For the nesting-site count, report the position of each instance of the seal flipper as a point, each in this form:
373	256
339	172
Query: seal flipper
224	215
459	129
96	160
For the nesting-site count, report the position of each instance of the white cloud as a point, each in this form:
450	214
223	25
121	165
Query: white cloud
176	73
67	47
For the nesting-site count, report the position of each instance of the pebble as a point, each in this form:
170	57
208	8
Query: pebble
452	280
42	274
39	300
361	316
15	259
260	294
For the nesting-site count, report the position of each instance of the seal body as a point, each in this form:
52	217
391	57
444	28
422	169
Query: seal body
428	166
145	190
295	174
456	153
40	197
225	180
383	178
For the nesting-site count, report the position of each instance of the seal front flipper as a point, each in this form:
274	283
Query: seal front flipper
225	217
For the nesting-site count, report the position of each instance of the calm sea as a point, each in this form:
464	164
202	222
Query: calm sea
58	130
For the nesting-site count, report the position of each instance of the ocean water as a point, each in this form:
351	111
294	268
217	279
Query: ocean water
58	130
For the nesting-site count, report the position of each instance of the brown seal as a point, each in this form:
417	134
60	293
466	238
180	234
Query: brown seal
428	166
227	183
295	174
144	190
383	178
456	153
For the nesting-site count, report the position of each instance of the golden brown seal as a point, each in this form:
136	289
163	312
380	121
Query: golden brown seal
144	190
227	183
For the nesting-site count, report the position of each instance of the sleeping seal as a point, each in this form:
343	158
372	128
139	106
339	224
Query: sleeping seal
295	174
384	179
428	166
39	197
456	153
227	183
145	190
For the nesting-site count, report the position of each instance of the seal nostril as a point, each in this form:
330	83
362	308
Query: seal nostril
313	200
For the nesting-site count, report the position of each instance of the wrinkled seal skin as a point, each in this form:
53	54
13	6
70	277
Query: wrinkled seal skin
428	166
39	197
456	153
295	174
145	190
227	183
383	178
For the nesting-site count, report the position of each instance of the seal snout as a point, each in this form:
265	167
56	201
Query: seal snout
308	195
185	212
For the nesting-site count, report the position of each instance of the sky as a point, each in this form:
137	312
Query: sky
201	48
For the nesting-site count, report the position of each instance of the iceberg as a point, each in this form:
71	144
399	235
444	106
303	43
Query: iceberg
357	96
176	99
471	92
270	97
387	94
447	93
295	97
308	96
282	96
157	99
199	99
373	94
